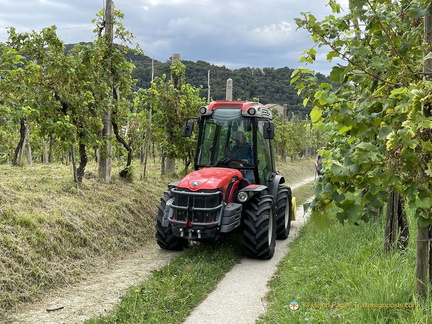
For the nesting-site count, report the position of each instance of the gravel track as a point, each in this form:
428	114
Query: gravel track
239	296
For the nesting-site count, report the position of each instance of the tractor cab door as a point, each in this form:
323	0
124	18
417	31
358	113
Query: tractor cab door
266	164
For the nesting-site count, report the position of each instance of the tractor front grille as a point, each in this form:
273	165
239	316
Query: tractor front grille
196	208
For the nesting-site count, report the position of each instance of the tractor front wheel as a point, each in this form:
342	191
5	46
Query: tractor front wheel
164	235
260	227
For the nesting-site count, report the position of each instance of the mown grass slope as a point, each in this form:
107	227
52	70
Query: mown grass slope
53	233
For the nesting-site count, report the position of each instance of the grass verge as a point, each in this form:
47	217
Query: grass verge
340	274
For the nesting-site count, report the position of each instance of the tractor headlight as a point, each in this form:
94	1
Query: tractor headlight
251	111
203	110
242	196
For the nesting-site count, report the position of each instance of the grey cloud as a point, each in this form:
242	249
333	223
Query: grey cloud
238	33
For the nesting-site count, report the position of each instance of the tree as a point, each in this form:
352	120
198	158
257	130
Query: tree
19	87
118	72
171	103
66	94
379	117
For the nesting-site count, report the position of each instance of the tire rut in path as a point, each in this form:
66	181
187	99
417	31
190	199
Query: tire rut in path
239	296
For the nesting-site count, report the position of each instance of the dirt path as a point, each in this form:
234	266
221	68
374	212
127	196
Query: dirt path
97	295
241	291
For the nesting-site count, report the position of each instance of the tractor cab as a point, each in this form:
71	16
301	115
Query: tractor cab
236	135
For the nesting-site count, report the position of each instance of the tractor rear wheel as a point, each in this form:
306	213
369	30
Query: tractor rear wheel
283	212
164	235
260	227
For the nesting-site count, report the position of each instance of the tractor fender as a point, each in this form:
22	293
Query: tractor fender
275	180
253	189
168	211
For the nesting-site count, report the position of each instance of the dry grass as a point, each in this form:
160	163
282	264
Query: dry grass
53	233
297	170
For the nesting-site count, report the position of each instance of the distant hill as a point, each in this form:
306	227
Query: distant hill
268	85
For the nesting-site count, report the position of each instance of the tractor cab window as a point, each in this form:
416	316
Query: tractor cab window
226	139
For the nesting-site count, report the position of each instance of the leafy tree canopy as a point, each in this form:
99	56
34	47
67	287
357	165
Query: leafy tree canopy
380	116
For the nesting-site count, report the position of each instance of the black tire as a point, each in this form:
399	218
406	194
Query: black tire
259	229
164	235
283	212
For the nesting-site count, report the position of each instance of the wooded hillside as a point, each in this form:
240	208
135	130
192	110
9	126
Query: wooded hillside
268	85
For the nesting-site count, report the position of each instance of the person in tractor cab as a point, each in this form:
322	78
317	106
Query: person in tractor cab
241	150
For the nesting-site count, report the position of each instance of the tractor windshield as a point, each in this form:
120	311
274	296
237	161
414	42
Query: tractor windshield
226	140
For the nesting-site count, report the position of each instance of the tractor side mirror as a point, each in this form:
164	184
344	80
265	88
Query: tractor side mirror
187	131
268	130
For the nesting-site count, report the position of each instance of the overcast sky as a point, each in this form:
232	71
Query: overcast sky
234	33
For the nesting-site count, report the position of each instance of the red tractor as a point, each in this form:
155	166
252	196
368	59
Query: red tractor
234	184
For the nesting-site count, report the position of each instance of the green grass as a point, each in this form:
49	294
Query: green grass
340	274
297	170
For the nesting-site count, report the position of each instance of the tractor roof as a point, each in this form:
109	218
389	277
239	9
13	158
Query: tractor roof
248	108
